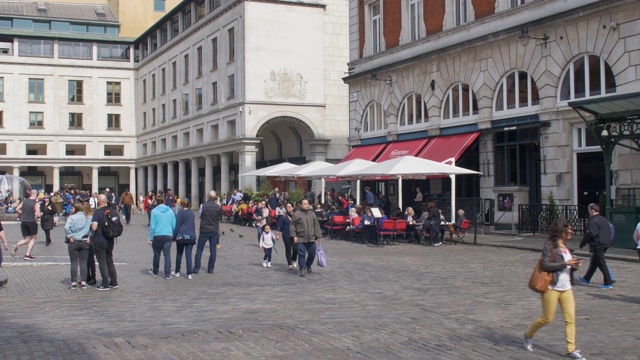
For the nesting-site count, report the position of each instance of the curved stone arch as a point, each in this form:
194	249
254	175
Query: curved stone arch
378	110
604	90
451	109
297	118
419	101
532	86
370	92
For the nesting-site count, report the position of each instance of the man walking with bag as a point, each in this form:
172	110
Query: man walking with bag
305	229
598	237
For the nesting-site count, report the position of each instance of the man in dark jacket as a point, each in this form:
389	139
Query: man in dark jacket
305	229
209	231
598	237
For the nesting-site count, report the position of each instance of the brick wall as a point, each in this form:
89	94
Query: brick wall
392	23
433	15
483	8
361	21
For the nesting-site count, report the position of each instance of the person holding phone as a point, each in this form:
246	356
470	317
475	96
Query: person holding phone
561	266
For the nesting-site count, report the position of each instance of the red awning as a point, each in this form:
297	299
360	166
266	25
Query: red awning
402	148
366	152
445	147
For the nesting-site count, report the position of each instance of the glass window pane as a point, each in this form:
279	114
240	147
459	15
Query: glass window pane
523	85
402	121
609	79
501	166
455	100
5	24
418	109
535	97
523	164
23	24
42	25
410	110
78	28
512	158
511	91
595	85
96	29
446	114
578	78
565	88
500	98
62	26
111	30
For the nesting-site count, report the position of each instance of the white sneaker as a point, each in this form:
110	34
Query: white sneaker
264	264
173	273
189	277
575	355
528	343
438	243
295	265
290	267
269	264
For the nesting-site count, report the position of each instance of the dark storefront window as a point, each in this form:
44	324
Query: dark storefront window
514	154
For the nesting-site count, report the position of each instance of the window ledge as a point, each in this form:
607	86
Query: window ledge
36	127
113	104
75	128
114	129
75	103
214	69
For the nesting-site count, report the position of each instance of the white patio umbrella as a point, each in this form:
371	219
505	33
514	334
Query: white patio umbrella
273	168
301	170
337	170
411	166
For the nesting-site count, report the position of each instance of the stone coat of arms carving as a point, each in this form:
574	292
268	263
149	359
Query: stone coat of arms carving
285	84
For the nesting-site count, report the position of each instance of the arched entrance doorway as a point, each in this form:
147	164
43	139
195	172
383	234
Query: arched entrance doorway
284	138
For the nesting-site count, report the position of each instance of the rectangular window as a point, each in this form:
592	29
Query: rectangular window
42	26
461	11
513	154
77	28
185	138
75	91
36	119
75	49
153	39
1	89
231	128
153	86
113	52
153	117
144	149
174	75
114	150
214	133
144	91
144	119
232	44
35	47
414	18
159	5
174	108
214	53
186	17
214	4
6	46
163	81
36	90
113	93
163	113
198	98
199	59
376	27
214	93
201	9
1	119
185	103
174	141
164	34
175	26
232	86
199	136
516	3
75	120
186	69
113	121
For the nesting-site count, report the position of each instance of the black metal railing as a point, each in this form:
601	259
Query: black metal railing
537	218
472	208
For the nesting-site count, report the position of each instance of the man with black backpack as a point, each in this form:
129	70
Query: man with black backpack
103	244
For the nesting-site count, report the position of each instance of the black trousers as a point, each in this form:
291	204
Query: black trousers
104	255
598	261
91	265
290	249
127	212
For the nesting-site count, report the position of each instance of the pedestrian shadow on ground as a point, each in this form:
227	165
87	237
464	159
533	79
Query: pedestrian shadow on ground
622	298
511	340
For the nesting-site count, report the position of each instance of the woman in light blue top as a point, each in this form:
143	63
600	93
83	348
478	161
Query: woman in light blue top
77	229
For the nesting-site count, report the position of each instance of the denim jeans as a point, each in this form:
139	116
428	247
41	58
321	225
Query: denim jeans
162	244
186	249
306	250
213	239
127	212
259	232
103	250
267	254
78	253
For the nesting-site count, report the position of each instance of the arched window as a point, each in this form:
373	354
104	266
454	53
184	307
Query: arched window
373	118
587	76
516	90
459	101
412	111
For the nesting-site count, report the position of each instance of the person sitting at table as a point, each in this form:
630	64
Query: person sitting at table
442	221
383	218
367	222
410	216
239	211
457	226
399	214
434	215
320	212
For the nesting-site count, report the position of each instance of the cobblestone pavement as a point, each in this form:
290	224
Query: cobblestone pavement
397	302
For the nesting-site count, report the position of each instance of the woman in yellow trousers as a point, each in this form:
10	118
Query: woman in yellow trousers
561	266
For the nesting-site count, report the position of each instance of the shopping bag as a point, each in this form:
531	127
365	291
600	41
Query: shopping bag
322	260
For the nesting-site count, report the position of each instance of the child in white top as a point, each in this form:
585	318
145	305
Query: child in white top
266	243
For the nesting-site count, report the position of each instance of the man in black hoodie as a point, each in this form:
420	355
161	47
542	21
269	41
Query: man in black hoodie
210	217
598	237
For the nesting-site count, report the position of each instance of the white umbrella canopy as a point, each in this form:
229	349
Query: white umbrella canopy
301	170
338	170
269	169
411	166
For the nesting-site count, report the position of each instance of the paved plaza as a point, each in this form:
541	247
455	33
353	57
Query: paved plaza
397	302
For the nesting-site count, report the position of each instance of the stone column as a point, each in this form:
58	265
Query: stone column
171	182
318	152
94	179
16	183
132	184
195	189
56	178
141	184
160	171
151	182
208	173
247	163
182	179
224	173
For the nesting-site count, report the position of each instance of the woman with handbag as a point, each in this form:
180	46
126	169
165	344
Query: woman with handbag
558	260
185	237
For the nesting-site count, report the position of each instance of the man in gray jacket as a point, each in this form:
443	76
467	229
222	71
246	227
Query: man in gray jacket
210	216
598	237
305	230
